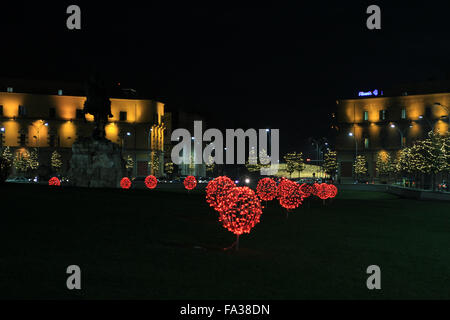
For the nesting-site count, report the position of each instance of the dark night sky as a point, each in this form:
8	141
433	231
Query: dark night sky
257	66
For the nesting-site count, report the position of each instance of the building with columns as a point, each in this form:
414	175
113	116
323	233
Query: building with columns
374	123
50	122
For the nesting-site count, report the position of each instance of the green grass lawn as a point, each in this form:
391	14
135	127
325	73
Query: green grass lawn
140	244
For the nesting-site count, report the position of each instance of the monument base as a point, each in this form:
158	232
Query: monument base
96	163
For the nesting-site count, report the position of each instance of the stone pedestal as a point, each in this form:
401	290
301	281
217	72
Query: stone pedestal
96	163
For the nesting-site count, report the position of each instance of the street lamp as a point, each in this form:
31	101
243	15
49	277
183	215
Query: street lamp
401	134
421	117
438	104
350	134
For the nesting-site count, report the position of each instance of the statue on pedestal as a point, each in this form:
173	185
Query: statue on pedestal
98	105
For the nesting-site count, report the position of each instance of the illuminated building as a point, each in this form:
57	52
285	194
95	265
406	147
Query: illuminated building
370	125
54	122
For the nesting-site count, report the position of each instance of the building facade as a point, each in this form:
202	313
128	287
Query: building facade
54	122
370	125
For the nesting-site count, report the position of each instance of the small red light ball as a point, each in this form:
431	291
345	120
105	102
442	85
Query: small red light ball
266	189
151	182
125	183
54	182
190	183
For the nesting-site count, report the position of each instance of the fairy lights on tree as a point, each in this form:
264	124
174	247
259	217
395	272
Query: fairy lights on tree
216	191
125	183
168	168
243	211
360	166
129	163
266	189
330	163
55	161
151	182
190	183
33	159
384	165
21	162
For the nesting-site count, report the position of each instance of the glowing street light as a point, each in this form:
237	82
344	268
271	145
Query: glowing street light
350	134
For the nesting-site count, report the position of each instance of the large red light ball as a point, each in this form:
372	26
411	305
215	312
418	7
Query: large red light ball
125	183
216	190
243	210
307	190
54	182
190	183
266	189
289	194
332	191
322	191
151	182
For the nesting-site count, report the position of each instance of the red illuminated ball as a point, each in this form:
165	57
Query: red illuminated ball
190	183
266	189
216	190
54	182
322	191
289	194
125	183
151	182
307	190
243	210
332	191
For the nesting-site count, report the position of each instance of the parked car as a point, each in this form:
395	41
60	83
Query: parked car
18	180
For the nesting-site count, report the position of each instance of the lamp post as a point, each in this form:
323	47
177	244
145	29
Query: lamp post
2	131
38	128
446	108
401	134
421	117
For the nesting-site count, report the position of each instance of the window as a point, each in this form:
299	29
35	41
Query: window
60	92
51	140
403	113
52	113
123	116
428	112
22	111
22	139
80	114
366	115
382	115
1	111
10	89
366	143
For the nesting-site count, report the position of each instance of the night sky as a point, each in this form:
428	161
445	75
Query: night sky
259	66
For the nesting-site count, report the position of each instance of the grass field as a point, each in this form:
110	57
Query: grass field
140	244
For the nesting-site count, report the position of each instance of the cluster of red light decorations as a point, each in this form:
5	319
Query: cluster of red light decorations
242	210
266	189
190	183
216	191
54	182
332	191
125	183
307	190
289	194
151	182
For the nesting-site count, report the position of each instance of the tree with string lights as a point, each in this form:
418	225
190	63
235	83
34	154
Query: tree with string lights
384	165
330	163
56	161
360	166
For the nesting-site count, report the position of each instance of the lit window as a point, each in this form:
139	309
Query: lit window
10	89
403	113
60	92
366	115
366	143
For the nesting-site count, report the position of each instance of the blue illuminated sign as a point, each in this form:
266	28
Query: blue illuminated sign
370	93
